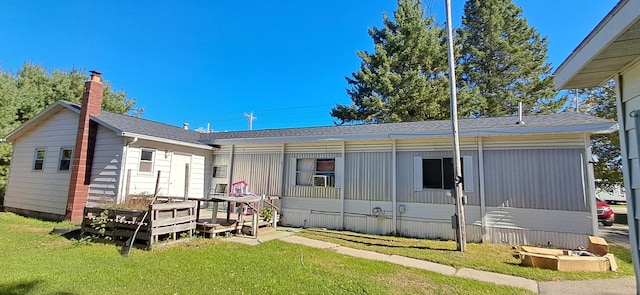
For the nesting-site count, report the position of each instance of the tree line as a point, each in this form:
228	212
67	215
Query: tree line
501	61
32	89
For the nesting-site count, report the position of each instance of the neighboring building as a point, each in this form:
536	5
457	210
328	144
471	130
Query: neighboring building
612	51
527	182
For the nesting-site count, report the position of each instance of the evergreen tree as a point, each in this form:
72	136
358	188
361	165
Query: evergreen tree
31	90
601	102
503	61
404	78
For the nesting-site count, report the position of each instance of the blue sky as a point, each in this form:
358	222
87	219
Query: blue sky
209	62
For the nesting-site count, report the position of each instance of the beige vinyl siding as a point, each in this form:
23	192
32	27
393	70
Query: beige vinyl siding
540	141
435	144
261	171
369	146
535	179
144	183
46	190
368	176
313	147
105	171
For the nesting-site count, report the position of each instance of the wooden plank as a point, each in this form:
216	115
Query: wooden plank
170	206
173	229
141	235
165	222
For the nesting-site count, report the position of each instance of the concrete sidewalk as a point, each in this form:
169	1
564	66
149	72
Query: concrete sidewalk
609	286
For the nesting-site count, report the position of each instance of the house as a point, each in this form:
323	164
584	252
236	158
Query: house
612	51
526	181
70	155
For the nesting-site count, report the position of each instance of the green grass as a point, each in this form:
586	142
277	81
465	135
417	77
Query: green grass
500	258
36	262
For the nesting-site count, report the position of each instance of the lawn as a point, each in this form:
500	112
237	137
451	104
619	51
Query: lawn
500	258
37	262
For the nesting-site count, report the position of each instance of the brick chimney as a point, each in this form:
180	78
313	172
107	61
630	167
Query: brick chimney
85	143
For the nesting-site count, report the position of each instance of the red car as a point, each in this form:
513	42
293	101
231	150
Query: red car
605	213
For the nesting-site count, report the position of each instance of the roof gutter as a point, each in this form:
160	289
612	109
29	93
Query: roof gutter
164	140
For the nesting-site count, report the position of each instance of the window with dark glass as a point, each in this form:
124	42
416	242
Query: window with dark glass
65	159
438	173
38	161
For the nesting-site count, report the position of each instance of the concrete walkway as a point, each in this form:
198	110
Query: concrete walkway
610	286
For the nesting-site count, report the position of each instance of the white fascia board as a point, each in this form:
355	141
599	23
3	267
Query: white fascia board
606	32
523	129
40	116
168	141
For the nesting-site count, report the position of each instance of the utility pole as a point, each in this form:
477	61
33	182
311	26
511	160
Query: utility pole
250	117
459	225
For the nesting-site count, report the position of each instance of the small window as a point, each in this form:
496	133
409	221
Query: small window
146	161
65	159
38	162
220	171
438	173
316	172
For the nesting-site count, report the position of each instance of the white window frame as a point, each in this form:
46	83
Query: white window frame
219	171
61	156
36	159
333	178
151	162
467	173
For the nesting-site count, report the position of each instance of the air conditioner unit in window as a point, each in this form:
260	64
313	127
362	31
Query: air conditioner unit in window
320	180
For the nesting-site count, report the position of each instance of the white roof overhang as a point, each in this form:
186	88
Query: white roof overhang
612	45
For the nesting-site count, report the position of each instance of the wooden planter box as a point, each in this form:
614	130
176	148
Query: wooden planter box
165	222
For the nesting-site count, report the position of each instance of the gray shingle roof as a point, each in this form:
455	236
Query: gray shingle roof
430	128
129	124
562	122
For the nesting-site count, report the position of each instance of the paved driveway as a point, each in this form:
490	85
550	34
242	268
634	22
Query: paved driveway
617	234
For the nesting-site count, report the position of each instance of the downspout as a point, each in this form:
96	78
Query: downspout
283	172
342	187
394	185
483	208
590	187
123	169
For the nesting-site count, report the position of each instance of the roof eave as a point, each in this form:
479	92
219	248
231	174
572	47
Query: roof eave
615	23
168	141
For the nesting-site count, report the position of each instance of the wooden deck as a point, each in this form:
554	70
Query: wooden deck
244	226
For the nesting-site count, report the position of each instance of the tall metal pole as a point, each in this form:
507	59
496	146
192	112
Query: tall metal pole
461	238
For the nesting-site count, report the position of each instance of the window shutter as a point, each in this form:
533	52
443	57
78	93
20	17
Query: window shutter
339	172
417	173
468	173
293	165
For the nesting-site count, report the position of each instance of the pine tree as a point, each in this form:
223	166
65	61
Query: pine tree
503	61
404	78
